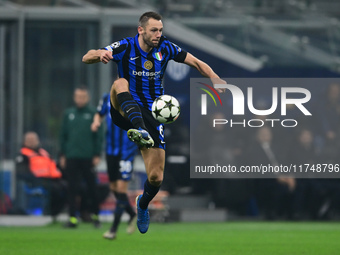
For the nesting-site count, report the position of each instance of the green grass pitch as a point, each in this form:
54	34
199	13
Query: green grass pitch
241	238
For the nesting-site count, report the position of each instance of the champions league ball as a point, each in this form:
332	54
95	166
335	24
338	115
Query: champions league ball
165	109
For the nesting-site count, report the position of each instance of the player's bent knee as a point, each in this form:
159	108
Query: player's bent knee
156	179
155	183
120	85
113	186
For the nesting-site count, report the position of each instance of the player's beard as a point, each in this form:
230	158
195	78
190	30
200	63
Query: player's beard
148	41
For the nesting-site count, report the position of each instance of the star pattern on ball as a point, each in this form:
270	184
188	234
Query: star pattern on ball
157	112
169	104
170	119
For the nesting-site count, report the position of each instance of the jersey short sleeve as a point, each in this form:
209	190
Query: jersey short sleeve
177	53
102	107
118	49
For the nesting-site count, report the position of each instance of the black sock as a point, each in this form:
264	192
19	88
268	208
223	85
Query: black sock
128	208
131	109
149	193
120	208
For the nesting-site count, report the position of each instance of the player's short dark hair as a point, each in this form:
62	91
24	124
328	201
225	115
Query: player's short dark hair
82	87
146	16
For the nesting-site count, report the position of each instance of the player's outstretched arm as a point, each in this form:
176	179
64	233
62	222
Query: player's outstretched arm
95	56
204	69
97	121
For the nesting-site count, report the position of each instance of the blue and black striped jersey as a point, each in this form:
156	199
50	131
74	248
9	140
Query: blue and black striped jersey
117	141
144	70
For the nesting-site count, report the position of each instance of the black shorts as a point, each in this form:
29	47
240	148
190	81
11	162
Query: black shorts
155	129
118	169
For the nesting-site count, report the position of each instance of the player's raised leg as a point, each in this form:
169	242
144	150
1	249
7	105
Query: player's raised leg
123	101
154	160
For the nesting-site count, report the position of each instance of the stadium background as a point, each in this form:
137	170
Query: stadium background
42	42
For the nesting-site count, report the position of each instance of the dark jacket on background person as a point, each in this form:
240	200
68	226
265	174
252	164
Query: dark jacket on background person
76	138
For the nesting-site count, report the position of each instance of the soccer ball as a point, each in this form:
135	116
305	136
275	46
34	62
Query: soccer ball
165	109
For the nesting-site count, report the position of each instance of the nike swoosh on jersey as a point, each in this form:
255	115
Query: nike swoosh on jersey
134	58
130	109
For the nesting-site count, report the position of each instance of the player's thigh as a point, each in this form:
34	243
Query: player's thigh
154	160
120	85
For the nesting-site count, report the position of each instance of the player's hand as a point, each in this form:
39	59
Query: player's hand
95	160
105	56
289	181
95	125
62	162
219	81
331	135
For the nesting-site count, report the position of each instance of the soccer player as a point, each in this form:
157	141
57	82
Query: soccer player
142	61
120	152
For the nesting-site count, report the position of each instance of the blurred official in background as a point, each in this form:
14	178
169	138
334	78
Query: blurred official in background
80	153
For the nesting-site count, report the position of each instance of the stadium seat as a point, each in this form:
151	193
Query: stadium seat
36	200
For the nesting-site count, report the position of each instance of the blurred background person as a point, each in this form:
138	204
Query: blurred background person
36	168
120	153
303	150
317	197
274	194
80	153
329	112
327	122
